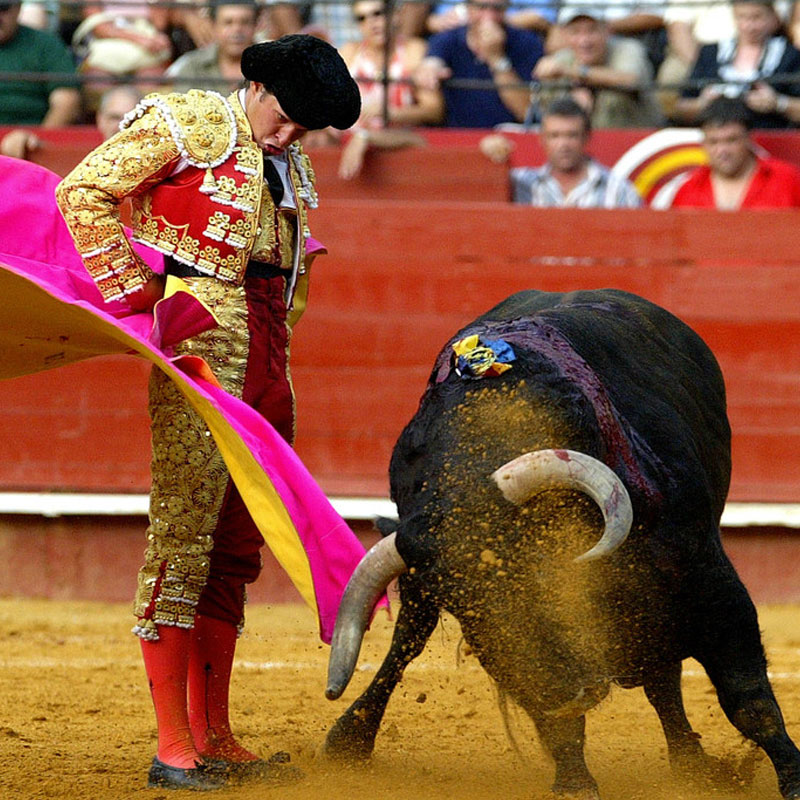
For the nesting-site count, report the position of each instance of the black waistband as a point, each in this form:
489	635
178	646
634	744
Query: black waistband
258	269
255	269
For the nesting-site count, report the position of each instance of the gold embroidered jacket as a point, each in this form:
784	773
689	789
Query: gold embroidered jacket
194	175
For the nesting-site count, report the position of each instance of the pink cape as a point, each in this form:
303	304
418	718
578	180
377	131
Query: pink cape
54	315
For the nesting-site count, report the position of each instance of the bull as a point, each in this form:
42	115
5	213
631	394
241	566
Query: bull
559	491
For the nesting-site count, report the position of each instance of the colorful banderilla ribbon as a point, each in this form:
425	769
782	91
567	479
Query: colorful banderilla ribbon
476	357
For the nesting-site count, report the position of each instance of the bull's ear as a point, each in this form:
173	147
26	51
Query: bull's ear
386	525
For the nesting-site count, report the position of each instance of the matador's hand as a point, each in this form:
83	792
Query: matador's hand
148	295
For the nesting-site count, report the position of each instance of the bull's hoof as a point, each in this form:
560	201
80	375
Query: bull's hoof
719	773
589	793
349	741
790	790
575	787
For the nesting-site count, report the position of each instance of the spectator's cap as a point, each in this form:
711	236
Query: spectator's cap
308	78
569	13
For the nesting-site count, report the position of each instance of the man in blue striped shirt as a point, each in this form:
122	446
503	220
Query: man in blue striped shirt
570	178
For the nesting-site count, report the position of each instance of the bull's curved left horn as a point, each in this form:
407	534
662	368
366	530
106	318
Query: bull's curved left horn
368	582
535	472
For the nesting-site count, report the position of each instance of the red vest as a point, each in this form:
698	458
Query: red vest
208	214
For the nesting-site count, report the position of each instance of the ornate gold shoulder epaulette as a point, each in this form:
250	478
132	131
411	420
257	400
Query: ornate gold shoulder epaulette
302	163
202	124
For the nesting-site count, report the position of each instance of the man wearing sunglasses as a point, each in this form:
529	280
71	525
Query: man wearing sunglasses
48	103
486	50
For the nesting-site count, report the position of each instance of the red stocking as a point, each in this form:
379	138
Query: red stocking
210	664
166	662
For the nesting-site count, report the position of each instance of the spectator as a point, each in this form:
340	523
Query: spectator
735	176
792	17
209	67
125	37
689	24
609	76
40	14
412	18
114	105
485	49
284	17
533	15
742	66
190	26
692	23
570	178
406	104
331	20
48	103
642	20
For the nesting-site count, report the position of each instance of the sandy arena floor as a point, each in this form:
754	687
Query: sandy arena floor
77	720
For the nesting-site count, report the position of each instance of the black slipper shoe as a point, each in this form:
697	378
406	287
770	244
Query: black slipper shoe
199	779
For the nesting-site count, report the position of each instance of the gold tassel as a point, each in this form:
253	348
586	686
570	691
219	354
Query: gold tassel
209	185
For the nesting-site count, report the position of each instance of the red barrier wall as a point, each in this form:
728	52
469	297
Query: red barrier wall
91	558
401	278
64	147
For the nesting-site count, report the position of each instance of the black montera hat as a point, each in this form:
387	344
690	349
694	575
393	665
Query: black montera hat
309	79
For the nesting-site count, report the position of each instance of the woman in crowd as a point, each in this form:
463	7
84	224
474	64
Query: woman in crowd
749	65
123	37
405	104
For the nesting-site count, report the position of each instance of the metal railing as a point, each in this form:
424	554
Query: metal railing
75	7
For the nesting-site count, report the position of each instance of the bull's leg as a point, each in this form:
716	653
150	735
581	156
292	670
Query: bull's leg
564	738
352	736
734	659
662	686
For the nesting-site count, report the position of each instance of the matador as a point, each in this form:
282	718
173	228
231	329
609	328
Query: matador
222	188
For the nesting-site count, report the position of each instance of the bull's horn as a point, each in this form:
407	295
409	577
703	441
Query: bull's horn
534	472
367	583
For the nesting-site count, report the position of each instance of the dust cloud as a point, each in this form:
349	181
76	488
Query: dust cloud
77	720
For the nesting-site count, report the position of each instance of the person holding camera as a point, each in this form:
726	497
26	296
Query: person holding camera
744	66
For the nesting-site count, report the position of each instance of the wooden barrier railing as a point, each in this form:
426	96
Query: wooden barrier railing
401	278
454	172
449	168
403	274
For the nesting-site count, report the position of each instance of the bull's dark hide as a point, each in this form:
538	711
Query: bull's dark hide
613	376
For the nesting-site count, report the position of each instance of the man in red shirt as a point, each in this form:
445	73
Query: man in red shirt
736	177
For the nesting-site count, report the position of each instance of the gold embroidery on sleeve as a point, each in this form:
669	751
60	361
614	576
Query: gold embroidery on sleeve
89	198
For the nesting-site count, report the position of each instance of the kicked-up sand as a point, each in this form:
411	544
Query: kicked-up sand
77	720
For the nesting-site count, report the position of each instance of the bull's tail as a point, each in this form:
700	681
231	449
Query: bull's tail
504	702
